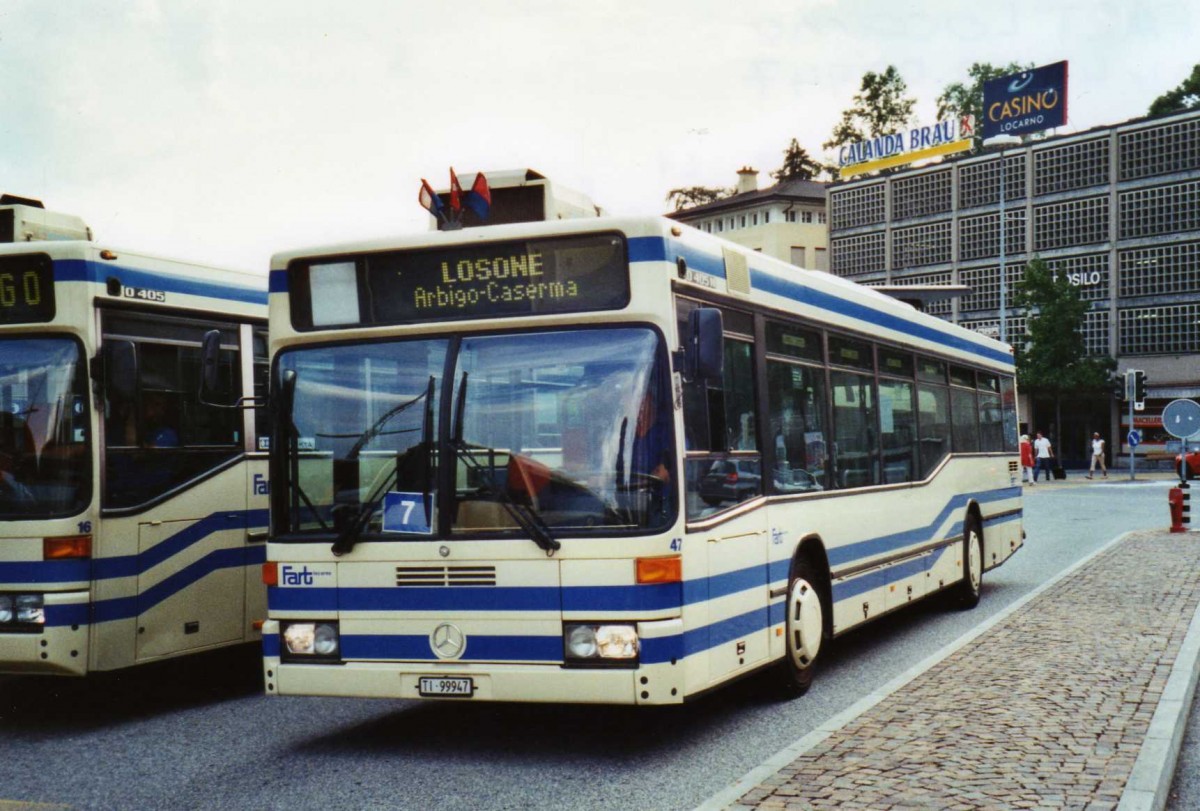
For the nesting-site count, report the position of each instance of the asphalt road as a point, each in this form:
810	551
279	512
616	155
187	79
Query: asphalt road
197	734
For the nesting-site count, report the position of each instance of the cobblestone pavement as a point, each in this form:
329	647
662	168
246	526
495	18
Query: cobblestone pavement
1047	709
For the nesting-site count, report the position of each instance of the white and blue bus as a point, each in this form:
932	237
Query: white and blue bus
132	513
611	460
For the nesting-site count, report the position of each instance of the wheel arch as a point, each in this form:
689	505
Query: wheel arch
812	548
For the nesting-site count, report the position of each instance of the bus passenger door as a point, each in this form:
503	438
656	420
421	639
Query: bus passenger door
738	623
188	596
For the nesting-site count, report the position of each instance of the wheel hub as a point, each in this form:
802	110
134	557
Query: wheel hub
805	623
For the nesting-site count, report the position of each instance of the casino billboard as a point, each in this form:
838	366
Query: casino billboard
1026	102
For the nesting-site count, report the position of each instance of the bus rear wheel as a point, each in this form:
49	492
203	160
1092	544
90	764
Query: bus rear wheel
968	591
804	628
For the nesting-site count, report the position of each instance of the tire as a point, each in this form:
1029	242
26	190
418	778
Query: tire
805	621
966	594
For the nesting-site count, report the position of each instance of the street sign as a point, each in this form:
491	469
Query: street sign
1134	438
1181	418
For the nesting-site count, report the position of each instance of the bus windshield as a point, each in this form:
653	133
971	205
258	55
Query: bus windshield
568	431
45	464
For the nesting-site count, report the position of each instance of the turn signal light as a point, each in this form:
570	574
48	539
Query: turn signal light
67	546
270	574
660	570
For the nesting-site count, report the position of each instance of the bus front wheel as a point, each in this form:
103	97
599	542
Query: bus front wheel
805	629
969	589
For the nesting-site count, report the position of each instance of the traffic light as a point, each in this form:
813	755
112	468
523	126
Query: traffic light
1139	387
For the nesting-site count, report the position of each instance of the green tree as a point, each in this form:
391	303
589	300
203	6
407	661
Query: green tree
798	164
966	98
1184	97
880	106
1053	363
691	196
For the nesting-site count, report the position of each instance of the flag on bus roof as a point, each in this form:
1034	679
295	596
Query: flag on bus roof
429	199
479	198
456	192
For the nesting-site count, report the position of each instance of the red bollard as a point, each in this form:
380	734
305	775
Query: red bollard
1175	502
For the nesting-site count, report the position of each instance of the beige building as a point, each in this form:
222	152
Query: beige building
786	221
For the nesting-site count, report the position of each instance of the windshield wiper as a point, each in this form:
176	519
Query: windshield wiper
354	528
526	517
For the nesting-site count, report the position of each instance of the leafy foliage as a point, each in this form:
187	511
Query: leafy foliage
879	107
798	164
1054	362
691	196
966	98
1184	97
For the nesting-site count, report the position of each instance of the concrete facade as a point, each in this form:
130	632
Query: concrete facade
1117	208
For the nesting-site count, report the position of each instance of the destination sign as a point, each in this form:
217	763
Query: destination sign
495	279
26	289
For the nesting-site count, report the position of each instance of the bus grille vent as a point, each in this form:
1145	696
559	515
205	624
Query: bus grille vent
435	576
737	273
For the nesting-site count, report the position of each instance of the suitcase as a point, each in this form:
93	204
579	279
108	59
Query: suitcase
1059	473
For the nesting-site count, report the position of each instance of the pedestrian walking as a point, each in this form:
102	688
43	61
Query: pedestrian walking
1097	456
1026	459
1044	452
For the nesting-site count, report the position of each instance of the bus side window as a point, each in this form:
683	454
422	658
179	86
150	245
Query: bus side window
166	437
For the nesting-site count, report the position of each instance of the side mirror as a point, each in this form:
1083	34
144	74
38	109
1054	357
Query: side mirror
120	371
210	354
705	351
287	397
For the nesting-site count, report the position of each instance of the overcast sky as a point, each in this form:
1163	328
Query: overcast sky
222	131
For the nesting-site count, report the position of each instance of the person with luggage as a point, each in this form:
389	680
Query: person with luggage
1097	456
1044	452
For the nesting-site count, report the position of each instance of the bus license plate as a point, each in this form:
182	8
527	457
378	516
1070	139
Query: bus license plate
440	686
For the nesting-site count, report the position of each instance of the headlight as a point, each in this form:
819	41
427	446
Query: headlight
29	609
22	610
317	639
601	643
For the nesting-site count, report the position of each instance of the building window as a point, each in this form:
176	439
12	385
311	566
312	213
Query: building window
1088	273
921	195
1160	210
743	221
822	258
860	254
979	183
1159	271
979	237
1078	222
1159	150
806	216
921	245
1072	166
798	256
1170	329
862	205
754	219
821	217
790	216
985	286
766	216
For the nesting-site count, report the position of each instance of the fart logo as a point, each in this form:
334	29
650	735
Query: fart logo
290	576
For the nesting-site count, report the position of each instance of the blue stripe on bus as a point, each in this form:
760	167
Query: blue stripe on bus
872	547
52	573
46	572
271	645
651	249
582	599
79	270
277	281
